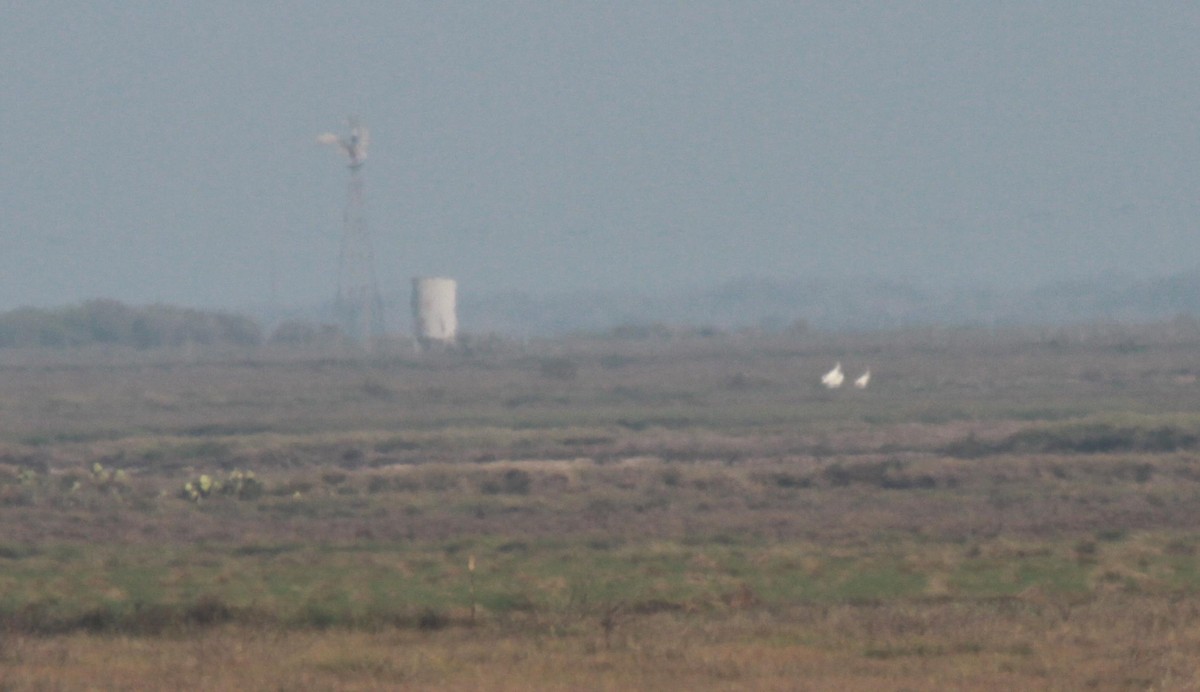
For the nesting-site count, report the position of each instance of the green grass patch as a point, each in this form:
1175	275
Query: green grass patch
109	588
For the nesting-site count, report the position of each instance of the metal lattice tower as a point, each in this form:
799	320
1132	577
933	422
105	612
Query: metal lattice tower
358	304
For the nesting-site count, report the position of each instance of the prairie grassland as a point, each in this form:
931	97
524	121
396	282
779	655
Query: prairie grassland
1112	643
1000	510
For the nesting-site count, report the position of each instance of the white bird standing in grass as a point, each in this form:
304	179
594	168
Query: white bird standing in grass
834	378
863	380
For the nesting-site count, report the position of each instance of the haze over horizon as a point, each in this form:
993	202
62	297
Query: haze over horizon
162	153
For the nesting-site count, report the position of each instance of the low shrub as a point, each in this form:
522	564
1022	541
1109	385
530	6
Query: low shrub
1081	438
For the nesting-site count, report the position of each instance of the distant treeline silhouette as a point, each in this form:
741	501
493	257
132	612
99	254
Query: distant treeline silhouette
114	323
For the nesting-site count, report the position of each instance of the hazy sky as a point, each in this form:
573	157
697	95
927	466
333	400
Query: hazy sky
155	151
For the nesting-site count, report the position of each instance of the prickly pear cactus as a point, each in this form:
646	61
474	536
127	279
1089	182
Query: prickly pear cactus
239	484
243	485
112	480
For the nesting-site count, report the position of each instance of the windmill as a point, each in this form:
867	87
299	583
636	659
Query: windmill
358	304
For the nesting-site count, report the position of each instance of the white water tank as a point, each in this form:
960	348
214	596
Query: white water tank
434	305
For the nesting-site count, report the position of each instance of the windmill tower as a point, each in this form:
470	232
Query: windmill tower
358	305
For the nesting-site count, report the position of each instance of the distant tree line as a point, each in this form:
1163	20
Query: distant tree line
114	323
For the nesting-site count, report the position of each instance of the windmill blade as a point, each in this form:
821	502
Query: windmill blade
352	147
362	136
343	145
356	143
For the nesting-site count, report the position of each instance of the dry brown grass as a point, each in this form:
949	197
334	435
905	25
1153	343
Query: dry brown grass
1112	643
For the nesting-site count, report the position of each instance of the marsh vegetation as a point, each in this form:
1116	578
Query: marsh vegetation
1000	509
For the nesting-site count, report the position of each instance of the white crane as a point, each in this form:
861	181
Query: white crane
834	378
863	380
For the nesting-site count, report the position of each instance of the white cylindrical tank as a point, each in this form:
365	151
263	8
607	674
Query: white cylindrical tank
434	318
